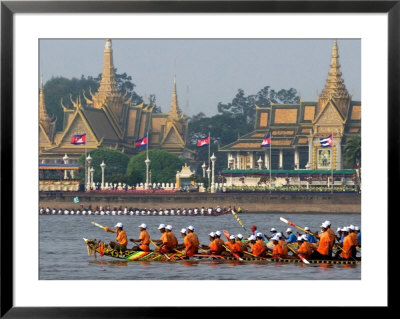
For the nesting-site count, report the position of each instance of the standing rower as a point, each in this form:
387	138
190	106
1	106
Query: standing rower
121	238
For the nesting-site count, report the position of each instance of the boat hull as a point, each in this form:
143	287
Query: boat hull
95	247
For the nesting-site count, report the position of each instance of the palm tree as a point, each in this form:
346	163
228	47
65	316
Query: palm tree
352	157
352	152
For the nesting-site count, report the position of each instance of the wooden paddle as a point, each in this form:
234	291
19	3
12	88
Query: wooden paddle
291	224
98	225
240	222
233	254
298	255
159	248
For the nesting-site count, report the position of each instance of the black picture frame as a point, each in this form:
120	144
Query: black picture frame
9	8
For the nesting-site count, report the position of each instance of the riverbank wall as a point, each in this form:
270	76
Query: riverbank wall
249	202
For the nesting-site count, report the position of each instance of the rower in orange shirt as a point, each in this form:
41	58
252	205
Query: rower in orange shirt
193	239
219	242
332	236
347	245
278	251
233	246
165	241
122	240
323	249
284	246
354	238
243	245
305	248
257	249
189	249
171	237
213	248
144	239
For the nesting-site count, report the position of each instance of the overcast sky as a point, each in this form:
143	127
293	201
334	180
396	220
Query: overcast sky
208	71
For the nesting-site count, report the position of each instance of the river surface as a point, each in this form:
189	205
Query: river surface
63	254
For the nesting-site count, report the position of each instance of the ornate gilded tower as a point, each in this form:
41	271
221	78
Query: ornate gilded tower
108	96
335	89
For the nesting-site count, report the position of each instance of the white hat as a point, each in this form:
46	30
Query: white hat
346	229
240	236
275	238
218	233
259	234
306	228
357	228
305	237
212	234
252	237
143	226
273	229
191	228
161	226
339	229
351	227
300	238
169	227
324	225
327	222
288	230
119	225
232	237
183	230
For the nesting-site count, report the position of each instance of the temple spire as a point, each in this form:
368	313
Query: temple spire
334	87
174	110
108	85
43	116
47	123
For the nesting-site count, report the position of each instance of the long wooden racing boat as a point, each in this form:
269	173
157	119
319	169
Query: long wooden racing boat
98	247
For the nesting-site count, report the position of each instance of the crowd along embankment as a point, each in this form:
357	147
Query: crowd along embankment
249	202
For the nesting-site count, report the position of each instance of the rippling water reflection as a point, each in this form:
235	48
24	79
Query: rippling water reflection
63	253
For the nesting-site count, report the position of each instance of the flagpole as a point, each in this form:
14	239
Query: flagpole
332	162
209	145
147	162
270	161
85	168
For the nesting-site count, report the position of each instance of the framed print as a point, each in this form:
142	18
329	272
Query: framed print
46	269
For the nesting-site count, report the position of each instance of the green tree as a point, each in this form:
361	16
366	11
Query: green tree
163	166
58	88
352	152
116	163
224	129
245	105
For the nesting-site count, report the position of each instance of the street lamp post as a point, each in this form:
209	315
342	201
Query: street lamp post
91	176
208	176
204	169
213	158
87	166
65	158
147	161
102	165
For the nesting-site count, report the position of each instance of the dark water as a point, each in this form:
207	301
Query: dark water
63	253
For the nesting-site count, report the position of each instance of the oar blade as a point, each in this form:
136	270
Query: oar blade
284	220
